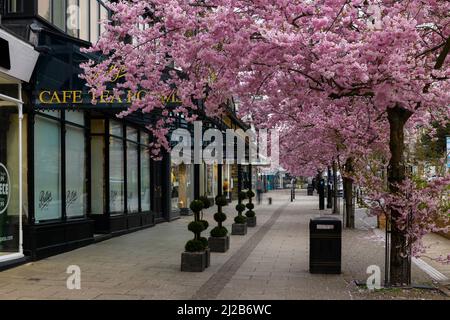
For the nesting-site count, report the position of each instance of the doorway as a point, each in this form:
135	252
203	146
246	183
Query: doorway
12	167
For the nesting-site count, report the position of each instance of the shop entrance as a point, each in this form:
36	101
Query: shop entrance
11	171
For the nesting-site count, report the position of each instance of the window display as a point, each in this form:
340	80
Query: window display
145	173
75	172
116	176
47	168
132	171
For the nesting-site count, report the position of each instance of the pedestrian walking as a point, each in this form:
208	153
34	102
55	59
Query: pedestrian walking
259	190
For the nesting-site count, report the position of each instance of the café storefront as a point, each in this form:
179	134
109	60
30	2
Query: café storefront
90	174
86	175
17	62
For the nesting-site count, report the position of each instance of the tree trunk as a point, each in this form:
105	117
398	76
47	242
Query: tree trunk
400	263
348	194
335	190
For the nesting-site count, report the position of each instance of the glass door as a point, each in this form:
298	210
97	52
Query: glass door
11	171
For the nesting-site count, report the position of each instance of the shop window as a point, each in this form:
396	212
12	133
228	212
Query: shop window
145	175
182	186
73	17
75	172
103	18
132	171
116	175
210	180
98	126
94	21
15	6
44	9
75	117
47	168
116	128
9	159
97	174
59	14
175	183
84	19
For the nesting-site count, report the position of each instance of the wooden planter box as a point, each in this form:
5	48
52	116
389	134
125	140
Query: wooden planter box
219	244
193	261
251	222
239	229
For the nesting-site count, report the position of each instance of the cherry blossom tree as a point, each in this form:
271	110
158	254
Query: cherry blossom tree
341	76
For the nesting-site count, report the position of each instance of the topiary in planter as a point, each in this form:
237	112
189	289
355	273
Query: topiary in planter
196	227
250	206
204	241
206	202
220	216
240	208
221	201
219	240
205	224
250	214
219	232
196	257
206	205
242	196
194	246
240	219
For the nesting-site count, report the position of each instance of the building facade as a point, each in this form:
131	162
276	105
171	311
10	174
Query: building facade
86	174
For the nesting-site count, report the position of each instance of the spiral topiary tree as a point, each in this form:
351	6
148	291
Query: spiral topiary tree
219	240
240	207
220	217
197	226
206	205
250	206
250	214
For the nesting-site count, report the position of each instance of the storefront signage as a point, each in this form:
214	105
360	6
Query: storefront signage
5	61
4	188
17	58
70	97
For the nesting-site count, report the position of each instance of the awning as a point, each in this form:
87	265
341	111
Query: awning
17	58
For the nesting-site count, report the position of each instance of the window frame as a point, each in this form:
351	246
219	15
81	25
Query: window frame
62	123
100	7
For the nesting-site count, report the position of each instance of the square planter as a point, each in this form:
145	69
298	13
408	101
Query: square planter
207	257
193	261
251	221
239	229
219	244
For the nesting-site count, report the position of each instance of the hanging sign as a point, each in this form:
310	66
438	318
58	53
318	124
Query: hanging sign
17	57
4	188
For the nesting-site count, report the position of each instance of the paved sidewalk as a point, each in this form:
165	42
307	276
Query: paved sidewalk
270	262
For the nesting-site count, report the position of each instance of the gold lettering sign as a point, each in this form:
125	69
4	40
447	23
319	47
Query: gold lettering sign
107	96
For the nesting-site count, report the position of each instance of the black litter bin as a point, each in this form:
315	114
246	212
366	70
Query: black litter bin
310	190
325	241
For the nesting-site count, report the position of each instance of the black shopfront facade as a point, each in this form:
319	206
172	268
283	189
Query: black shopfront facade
89	175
